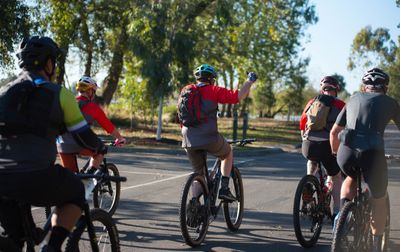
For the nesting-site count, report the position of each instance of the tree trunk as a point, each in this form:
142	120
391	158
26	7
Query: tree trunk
111	81
159	125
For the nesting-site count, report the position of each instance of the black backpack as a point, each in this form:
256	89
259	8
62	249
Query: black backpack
14	98
189	106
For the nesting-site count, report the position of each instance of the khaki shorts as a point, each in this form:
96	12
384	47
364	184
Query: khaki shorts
198	155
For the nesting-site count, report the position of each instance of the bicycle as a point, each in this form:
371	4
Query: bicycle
194	221
106	193
94	230
353	231
312	203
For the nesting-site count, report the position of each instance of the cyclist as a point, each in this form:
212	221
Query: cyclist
67	146
205	137
28	172
315	145
357	138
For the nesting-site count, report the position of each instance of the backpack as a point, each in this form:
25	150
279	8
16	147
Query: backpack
14	98
189	106
318	112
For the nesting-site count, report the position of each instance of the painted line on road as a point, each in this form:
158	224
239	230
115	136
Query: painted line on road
146	173
155	182
244	161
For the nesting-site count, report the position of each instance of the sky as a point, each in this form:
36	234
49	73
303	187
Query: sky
330	39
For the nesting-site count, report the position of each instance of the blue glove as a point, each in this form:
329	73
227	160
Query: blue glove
251	76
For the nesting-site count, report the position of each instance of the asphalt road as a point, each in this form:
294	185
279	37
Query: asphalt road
147	216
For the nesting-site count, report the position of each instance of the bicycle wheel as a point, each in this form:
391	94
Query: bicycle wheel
233	211
352	234
386	234
193	213
105	230
107	193
307	214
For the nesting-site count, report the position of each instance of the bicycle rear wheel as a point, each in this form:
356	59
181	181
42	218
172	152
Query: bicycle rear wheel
107	193
233	211
193	213
105	230
386	234
307	213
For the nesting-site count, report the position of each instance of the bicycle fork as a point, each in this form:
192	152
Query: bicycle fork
90	227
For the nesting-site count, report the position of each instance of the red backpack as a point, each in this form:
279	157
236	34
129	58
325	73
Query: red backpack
189	106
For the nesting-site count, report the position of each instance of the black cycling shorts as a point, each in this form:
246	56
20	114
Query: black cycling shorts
54	186
373	166
321	151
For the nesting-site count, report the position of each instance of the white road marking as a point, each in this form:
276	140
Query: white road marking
155	182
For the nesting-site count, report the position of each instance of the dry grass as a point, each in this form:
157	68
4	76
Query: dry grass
267	132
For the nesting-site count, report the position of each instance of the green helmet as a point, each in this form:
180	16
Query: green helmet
205	72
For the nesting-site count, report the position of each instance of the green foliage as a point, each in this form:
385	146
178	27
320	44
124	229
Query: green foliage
14	25
376	48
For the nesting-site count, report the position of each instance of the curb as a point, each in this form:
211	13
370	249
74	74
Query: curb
253	151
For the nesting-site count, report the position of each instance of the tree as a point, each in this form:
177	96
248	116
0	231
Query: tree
14	25
376	48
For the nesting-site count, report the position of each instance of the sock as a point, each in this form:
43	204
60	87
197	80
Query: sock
57	237
343	201
224	182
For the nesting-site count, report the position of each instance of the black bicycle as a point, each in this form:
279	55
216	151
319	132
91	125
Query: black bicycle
353	230
311	205
106	193
94	231
199	204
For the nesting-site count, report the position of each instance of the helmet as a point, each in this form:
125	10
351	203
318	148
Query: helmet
205	72
34	52
375	77
86	83
330	82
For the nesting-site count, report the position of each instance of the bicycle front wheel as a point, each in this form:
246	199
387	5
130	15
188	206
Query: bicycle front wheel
193	212
107	193
233	211
307	215
105	231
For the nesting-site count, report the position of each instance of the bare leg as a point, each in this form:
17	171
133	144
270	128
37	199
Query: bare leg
349	188
379	212
312	167
337	185
66	216
226	165
96	161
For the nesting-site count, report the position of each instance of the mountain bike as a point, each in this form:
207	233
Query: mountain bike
94	231
312	203
353	230
106	193
199	204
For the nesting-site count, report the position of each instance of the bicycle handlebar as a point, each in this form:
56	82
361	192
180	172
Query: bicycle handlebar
102	176
242	142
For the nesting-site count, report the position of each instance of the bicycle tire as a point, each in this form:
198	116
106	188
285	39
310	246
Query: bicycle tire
105	195
386	233
194	236
303	211
345	237
233	211
107	239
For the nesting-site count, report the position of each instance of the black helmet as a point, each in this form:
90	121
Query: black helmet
375	77
205	72
34	52
330	82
